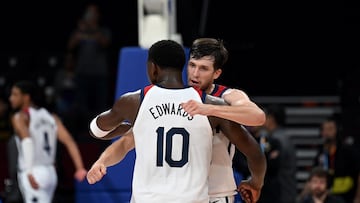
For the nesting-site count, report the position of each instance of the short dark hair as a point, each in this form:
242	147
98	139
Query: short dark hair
26	87
320	172
30	88
167	54
210	47
332	118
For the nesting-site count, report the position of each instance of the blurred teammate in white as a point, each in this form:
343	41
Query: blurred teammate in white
181	183
37	132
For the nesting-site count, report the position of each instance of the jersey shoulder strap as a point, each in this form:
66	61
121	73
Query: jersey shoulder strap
219	90
201	93
144	90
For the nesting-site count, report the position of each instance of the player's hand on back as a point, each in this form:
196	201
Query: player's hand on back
193	107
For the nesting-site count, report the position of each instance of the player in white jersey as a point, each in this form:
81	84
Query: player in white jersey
43	125
161	55
43	128
206	62
37	132
173	149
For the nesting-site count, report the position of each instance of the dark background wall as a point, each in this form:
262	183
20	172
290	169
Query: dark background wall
276	48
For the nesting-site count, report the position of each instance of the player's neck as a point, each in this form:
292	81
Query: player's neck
28	105
171	84
210	89
168	81
25	105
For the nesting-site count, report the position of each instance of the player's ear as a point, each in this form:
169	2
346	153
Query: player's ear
217	73
156	70
152	71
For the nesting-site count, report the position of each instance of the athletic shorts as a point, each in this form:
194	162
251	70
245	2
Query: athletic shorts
46	177
228	199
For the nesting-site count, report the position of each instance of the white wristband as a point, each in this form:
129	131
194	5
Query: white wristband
27	148
96	131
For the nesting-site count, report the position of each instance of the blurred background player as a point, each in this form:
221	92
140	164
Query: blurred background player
37	133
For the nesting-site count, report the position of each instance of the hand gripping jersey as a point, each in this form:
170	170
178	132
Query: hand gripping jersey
173	149
221	178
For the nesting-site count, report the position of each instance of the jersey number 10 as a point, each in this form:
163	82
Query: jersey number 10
168	147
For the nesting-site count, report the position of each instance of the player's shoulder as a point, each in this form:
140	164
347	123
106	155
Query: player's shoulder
236	90
230	90
128	99
129	96
20	115
237	93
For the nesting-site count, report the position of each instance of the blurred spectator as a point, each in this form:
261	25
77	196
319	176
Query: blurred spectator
274	127
341	160
5	127
65	91
90	45
318	188
12	191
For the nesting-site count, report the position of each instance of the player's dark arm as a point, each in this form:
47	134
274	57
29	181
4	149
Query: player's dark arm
246	143
124	110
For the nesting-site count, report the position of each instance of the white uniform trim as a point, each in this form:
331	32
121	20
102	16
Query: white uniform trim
27	147
96	130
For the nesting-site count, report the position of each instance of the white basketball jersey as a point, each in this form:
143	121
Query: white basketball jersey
43	132
221	178
173	149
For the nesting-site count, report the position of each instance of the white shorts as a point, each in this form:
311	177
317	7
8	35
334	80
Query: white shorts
227	199
47	179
